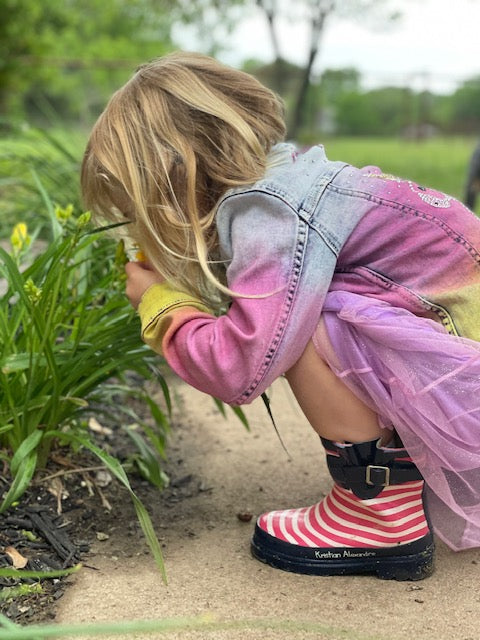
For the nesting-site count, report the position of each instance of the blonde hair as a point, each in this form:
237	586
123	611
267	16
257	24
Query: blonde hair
181	132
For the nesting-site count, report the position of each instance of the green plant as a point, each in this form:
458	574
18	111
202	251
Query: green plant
33	161
68	342
205	625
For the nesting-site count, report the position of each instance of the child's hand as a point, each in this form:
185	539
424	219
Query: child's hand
140	276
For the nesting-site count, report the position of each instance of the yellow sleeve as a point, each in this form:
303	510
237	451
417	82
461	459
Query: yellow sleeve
156	310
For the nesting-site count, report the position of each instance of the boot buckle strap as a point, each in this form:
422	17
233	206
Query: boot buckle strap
377	476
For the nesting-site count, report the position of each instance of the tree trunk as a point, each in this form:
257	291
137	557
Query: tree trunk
270	14
318	22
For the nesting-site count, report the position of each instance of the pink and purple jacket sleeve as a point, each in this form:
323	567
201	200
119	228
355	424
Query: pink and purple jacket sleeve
235	357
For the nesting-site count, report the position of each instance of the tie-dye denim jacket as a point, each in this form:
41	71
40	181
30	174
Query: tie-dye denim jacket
290	236
280	237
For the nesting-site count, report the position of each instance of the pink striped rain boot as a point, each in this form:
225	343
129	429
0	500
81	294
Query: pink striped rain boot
372	521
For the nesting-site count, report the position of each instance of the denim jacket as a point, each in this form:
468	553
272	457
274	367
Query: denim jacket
281	238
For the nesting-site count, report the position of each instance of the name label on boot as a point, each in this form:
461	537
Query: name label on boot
346	553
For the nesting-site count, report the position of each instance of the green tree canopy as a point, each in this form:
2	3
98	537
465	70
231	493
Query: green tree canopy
74	52
465	104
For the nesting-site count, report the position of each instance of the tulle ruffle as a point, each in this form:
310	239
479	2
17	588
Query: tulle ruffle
426	384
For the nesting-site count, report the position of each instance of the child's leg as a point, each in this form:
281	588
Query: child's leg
331	408
373	520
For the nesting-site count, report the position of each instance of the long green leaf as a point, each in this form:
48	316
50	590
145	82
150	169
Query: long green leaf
21	481
157	414
117	470
14	276
220	406
6	427
16	362
21	574
55	225
147	462
204	625
28	445
238	411
266	402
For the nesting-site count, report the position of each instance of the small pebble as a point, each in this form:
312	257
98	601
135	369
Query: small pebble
102	536
244	517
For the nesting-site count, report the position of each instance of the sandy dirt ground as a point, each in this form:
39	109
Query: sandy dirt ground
220	470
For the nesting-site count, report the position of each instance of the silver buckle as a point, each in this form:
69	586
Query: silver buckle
386	471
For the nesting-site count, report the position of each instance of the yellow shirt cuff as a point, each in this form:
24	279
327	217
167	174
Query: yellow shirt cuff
155	307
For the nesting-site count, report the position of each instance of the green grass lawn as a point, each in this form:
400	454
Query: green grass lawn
440	163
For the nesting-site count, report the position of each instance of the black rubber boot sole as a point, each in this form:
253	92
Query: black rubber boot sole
412	561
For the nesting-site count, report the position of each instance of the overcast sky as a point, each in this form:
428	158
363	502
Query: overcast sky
435	46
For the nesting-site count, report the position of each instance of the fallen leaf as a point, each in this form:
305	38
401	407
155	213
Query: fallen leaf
18	561
56	488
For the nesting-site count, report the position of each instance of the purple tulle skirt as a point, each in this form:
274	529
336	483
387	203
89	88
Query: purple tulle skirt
423	382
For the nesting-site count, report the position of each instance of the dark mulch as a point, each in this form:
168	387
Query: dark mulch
53	527
65	509
69	506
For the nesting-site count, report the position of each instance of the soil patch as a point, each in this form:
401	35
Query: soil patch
51	528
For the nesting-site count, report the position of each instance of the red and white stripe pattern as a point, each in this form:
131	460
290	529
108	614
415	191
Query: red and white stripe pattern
396	516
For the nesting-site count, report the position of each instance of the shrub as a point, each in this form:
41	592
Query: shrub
69	341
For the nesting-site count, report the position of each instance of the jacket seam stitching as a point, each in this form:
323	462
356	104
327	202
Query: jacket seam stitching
413	211
445	317
282	322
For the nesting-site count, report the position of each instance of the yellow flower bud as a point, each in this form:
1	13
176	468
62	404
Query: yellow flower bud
20	238
65	214
33	292
83	219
